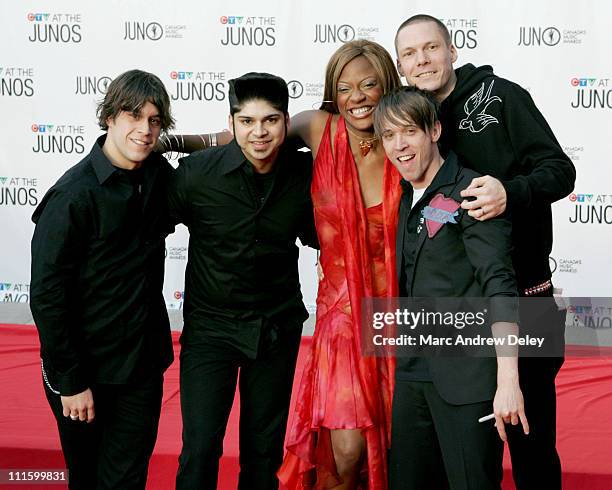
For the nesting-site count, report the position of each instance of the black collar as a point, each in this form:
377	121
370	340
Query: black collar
99	161
104	169
235	158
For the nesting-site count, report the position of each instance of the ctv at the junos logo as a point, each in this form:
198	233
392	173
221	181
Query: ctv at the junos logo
55	28
18	191
16	81
463	32
204	86
591	93
591	209
64	138
14	293
248	31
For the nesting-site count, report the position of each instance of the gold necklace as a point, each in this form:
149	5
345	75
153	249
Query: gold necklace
365	144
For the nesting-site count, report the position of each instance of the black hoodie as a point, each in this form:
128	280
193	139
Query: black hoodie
496	129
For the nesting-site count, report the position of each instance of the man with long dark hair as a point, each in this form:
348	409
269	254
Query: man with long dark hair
96	291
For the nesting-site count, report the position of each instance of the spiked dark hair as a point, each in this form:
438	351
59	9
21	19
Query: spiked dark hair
264	86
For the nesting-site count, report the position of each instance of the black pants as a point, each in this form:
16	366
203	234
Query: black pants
113	451
535	461
435	445
208	383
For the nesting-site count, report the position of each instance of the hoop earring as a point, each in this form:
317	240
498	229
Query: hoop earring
316	105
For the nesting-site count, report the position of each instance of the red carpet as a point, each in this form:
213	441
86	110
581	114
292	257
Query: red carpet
28	435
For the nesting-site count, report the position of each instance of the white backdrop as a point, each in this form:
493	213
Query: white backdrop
56	58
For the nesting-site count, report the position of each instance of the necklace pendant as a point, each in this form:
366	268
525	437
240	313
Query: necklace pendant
365	146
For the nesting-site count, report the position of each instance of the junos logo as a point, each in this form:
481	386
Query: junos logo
248	31
551	36
142	31
87	85
553	264
16	81
202	86
51	138
14	293
538	36
296	89
332	33
55	28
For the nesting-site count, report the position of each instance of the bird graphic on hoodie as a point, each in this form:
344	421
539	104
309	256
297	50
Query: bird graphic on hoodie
475	109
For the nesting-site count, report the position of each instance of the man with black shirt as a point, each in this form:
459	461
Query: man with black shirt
96	291
245	204
495	128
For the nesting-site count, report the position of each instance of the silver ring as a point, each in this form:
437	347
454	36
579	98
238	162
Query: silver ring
74	417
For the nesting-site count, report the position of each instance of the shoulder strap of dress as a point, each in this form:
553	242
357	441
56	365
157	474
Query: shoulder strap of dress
325	143
340	138
327	130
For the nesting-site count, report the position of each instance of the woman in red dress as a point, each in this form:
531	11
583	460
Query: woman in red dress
340	432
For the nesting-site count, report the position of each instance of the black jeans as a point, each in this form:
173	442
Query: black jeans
209	375
113	451
535	461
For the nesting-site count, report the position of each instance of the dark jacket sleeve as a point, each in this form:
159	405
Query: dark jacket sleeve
58	246
488	246
547	173
178	194
308	233
164	177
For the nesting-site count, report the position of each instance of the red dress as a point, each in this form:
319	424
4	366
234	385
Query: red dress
340	388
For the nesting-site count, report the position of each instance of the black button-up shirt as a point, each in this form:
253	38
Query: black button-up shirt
97	273
242	271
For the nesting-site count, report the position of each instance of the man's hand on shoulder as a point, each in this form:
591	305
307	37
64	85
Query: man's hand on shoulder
490	198
79	407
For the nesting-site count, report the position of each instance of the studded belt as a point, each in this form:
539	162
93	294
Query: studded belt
540	288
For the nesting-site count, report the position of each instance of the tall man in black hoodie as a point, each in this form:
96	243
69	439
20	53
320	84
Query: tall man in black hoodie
495	128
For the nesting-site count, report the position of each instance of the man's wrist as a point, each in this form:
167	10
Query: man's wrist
71	384
507	370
